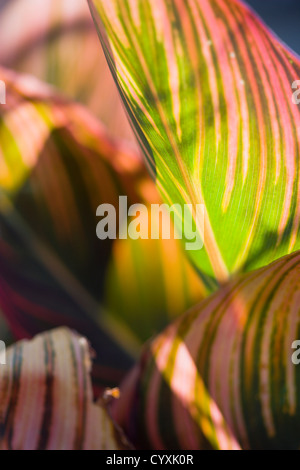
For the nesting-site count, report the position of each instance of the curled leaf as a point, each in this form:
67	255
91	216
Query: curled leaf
46	400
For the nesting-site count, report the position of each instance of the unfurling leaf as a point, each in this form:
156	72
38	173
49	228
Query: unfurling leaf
209	91
224	375
46	400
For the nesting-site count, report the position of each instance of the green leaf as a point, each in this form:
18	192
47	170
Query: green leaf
226	374
46	400
209	91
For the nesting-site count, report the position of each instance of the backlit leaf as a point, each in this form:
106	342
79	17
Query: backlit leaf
209	91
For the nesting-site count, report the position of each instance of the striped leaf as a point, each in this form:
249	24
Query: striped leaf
209	91
59	45
222	376
57	166
46	397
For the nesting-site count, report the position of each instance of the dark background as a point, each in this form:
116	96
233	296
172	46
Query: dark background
283	16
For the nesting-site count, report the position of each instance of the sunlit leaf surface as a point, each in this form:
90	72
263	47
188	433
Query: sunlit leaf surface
209	91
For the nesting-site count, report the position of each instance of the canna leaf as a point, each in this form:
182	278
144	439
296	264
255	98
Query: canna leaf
223	375
58	165
59	45
46	397
209	91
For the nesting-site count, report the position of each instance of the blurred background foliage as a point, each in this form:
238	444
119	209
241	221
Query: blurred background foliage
56	41
58	164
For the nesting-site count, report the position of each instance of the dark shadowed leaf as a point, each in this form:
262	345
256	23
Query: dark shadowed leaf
223	375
